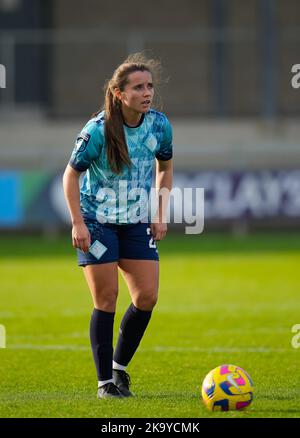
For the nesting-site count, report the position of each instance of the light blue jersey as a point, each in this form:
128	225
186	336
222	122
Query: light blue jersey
120	198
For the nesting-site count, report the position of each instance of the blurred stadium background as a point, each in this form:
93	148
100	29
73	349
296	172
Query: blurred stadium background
229	97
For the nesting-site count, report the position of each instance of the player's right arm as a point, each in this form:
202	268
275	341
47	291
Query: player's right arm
80	233
86	150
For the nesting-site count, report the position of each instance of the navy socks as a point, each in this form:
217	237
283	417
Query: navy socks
101	335
133	326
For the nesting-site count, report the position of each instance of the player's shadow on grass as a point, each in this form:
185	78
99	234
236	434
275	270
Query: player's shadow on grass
178	396
281	397
280	411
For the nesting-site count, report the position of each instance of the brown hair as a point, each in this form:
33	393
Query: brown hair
116	147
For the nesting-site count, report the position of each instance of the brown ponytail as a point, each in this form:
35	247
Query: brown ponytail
117	150
116	147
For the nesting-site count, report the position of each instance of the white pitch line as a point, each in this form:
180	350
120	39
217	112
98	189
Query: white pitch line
157	349
218	349
47	347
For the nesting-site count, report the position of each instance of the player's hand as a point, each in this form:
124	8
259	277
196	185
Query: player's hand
159	230
81	238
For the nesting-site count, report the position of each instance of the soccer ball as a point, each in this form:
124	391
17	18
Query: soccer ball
227	387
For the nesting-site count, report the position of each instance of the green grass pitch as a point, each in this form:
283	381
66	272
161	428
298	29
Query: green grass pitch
222	300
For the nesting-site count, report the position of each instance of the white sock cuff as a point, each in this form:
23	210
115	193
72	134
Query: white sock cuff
117	366
103	382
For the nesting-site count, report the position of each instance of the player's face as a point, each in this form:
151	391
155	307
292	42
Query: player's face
138	92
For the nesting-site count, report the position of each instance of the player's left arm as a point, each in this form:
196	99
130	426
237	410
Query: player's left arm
164	181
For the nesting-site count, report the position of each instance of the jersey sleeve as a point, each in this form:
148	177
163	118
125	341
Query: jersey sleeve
165	148
87	147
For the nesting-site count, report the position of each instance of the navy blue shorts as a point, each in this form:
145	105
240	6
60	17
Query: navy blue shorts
112	242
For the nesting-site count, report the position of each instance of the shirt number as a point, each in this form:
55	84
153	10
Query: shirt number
152	243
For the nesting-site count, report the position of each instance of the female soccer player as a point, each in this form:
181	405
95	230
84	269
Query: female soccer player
111	226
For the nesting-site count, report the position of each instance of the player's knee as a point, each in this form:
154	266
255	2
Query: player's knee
146	301
106	299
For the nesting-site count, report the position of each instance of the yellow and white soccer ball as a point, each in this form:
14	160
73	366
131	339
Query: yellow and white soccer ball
227	387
